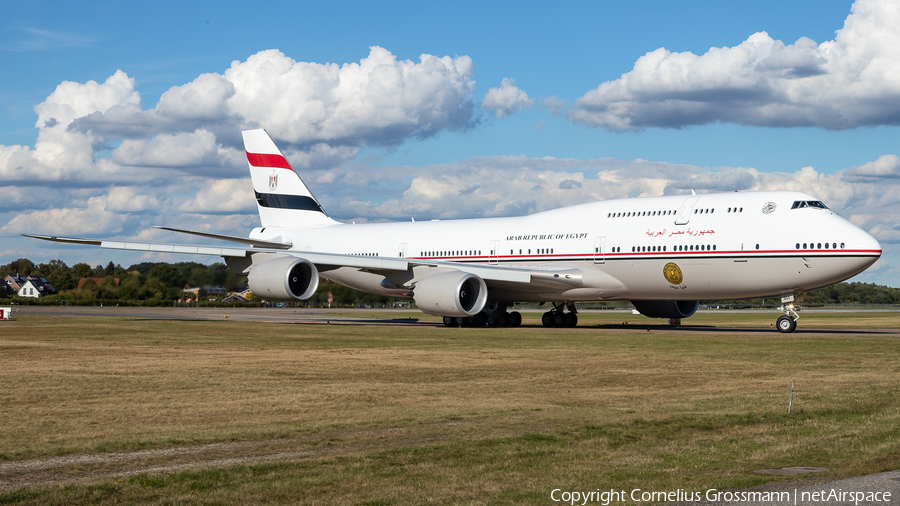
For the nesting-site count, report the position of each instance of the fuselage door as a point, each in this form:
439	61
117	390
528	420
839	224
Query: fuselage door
599	245
495	246
684	215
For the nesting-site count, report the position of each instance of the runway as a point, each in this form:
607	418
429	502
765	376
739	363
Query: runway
414	317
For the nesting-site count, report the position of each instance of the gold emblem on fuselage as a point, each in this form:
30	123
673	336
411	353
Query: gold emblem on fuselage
673	274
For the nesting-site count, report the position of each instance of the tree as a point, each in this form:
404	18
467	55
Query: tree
131	286
21	267
58	274
81	270
168	276
108	288
89	290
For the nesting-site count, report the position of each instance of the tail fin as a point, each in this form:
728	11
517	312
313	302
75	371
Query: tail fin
281	196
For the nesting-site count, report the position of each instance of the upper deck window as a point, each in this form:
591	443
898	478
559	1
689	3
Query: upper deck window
800	204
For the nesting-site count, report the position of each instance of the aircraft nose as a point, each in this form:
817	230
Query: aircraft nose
866	243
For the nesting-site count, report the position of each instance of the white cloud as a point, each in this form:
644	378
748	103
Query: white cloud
181	151
886	166
851	81
73	100
123	199
380	101
92	219
203	99
59	153
222	196
506	99
321	114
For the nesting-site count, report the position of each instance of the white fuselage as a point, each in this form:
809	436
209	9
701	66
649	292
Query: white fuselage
725	246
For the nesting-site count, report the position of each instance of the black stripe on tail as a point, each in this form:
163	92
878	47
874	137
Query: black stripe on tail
298	202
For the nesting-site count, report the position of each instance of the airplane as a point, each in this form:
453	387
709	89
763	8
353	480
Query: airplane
664	254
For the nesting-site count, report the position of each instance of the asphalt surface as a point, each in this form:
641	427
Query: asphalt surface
343	316
873	490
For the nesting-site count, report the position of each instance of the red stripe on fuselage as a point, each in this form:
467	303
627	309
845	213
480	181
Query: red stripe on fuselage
264	160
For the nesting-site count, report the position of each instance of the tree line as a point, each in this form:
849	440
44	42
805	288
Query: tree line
156	283
164	283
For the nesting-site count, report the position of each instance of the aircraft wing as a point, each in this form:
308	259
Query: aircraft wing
547	276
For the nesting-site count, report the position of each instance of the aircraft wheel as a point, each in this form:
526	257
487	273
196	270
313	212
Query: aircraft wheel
786	324
515	319
492	320
479	320
503	320
547	319
559	319
571	320
449	321
462	321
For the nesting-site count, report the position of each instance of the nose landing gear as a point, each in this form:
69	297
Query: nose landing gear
787	323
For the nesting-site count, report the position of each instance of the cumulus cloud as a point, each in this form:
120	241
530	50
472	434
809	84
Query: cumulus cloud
886	166
91	219
123	199
226	196
97	144
380	101
506	99
851	81
320	113
194	152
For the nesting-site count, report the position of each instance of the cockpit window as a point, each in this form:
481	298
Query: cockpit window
800	204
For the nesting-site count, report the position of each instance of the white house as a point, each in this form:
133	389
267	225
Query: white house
32	286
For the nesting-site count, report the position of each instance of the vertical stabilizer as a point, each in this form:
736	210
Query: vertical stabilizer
282	198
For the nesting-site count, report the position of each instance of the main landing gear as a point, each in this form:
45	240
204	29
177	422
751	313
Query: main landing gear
562	315
496	318
557	317
787	323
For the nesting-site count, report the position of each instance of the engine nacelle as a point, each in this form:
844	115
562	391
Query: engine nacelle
451	294
666	308
283	278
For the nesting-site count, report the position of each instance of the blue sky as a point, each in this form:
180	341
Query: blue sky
789	98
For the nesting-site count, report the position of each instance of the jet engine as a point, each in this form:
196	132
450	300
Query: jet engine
451	294
666	308
283	278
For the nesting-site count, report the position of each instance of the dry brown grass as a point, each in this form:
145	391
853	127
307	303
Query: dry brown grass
462	414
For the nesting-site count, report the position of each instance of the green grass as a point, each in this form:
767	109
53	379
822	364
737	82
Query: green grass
400	415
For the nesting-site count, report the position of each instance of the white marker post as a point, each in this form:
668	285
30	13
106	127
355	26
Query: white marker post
791	402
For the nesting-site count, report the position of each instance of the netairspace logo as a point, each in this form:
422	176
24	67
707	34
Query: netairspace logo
607	497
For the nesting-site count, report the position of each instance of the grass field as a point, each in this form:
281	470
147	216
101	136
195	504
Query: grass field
230	412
